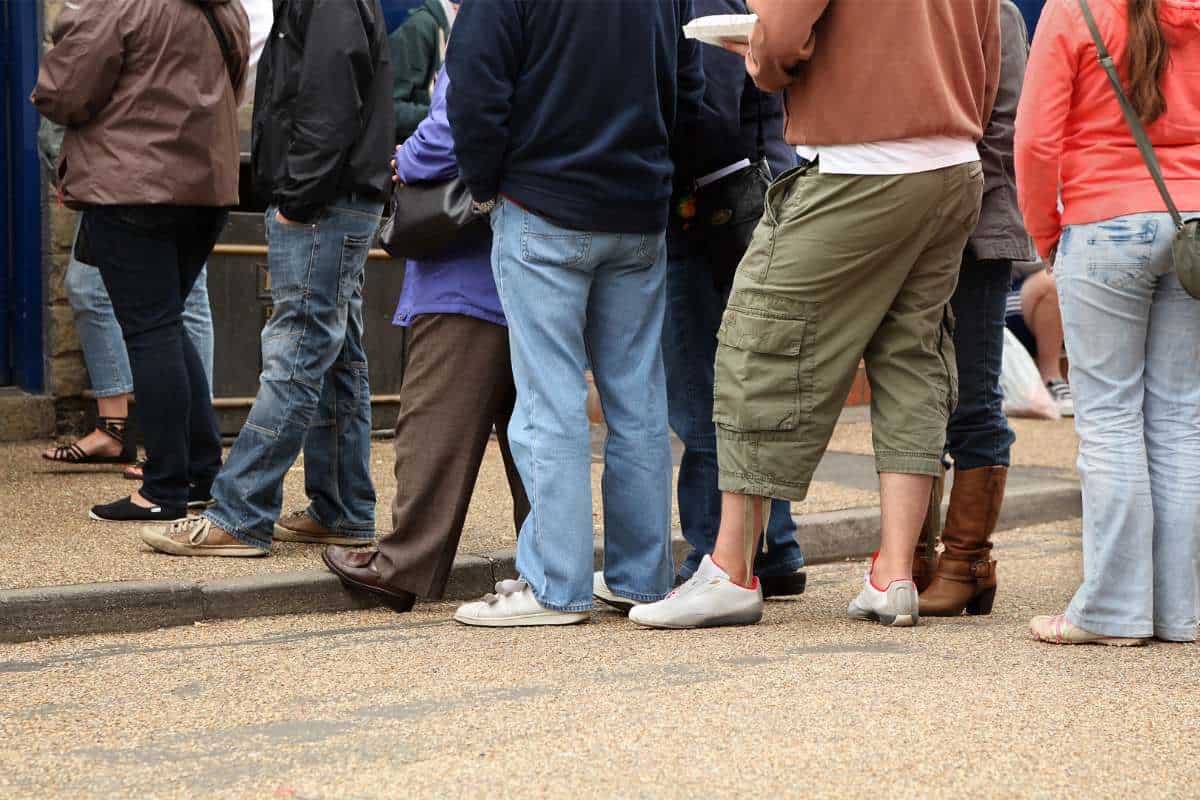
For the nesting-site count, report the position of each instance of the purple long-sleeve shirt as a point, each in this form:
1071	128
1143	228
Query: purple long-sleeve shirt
459	281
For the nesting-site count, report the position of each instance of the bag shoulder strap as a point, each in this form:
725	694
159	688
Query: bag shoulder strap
1131	117
226	50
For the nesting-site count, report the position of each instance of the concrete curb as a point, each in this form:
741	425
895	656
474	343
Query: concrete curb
129	606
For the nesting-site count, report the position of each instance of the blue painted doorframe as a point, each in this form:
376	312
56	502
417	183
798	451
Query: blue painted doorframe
21	264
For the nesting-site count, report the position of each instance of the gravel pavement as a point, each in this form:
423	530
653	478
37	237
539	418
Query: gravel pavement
371	704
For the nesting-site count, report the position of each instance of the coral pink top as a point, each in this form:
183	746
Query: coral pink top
1071	133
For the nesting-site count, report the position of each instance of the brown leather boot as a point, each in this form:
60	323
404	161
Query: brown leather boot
925	554
966	576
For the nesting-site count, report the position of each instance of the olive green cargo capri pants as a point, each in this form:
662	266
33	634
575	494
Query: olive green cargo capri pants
842	268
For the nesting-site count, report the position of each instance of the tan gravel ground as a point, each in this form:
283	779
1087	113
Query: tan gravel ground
46	538
806	704
1040	443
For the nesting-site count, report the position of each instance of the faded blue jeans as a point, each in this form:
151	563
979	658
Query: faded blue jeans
571	297
314	393
1133	340
100	335
694	309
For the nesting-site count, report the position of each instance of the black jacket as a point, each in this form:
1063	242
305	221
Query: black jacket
323	125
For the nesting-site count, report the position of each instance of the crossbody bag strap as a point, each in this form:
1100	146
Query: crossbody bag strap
1131	117
226	50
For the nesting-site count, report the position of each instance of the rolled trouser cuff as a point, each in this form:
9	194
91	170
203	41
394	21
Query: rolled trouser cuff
759	486
908	463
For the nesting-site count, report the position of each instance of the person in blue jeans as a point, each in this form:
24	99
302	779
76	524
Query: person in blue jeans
108	368
578	195
322	133
723	163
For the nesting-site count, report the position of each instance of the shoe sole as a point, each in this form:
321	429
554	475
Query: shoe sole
1108	642
617	603
395	602
717	622
888	620
163	521
200	505
164	545
524	621
283	534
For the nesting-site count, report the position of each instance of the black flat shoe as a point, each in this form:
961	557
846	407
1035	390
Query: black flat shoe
199	499
788	585
125	510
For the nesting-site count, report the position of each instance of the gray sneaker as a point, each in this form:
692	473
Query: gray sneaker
601	592
708	600
896	606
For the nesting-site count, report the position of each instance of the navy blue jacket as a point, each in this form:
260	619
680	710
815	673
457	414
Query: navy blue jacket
567	106
728	126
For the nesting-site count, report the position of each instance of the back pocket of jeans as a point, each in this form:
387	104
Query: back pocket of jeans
759	371
544	243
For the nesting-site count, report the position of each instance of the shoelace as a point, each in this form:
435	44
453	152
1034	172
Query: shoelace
195	527
504	589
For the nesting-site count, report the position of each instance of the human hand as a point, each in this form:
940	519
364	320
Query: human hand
734	46
395	177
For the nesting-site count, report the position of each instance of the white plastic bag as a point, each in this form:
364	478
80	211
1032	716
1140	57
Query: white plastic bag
1024	393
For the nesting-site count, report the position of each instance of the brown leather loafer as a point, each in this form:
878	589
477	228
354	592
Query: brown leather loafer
357	570
300	527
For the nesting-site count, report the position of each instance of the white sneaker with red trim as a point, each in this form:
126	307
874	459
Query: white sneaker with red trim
709	599
895	606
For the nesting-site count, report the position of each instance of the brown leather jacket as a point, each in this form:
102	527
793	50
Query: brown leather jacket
149	105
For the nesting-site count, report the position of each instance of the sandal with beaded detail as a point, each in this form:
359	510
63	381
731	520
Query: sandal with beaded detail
112	427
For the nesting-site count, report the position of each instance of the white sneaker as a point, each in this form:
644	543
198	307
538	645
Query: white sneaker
896	606
601	592
1060	392
709	599
513	605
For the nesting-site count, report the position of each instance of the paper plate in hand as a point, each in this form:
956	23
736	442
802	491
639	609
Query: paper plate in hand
712	30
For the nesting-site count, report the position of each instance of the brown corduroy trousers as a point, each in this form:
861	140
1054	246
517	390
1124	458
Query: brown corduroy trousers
457	388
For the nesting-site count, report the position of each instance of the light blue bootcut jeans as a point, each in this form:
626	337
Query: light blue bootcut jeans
100	335
571	297
694	309
1133	339
313	393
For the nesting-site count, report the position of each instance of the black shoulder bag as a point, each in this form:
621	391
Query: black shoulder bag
427	218
1186	248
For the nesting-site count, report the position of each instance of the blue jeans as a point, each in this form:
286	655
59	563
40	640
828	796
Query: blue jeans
313	392
1133	339
694	309
100	335
978	435
571	297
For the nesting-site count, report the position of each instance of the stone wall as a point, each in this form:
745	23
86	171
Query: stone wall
66	375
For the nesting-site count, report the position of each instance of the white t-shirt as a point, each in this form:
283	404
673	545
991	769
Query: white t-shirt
896	157
262	16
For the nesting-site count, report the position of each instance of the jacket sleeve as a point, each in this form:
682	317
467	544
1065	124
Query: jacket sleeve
1041	120
690	84
483	64
996	148
79	72
992	59
782	40
238	34
428	155
412	49
335	68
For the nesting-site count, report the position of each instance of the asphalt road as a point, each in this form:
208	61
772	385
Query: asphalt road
806	704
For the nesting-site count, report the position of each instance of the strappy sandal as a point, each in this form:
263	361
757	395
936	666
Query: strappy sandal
114	428
134	472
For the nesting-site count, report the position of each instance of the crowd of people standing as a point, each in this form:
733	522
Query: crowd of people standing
721	265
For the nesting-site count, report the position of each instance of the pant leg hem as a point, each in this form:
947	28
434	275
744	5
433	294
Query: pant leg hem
568	608
366	533
784	568
756	486
897	463
1117	629
244	536
641	598
1184	635
118	391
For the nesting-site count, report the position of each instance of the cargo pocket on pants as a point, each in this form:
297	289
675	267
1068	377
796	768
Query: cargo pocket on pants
759	372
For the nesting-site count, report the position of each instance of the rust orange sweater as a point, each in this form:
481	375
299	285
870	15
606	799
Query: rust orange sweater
878	70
